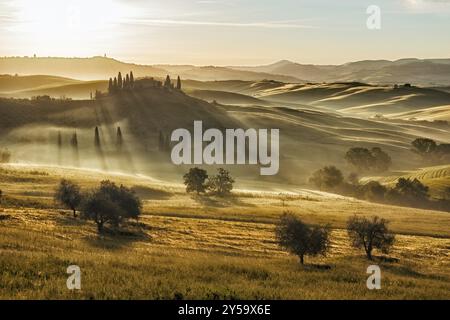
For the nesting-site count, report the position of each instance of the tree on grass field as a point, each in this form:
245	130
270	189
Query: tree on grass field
412	191
372	191
222	183
300	239
370	234
68	194
110	204
327	178
368	160
195	180
424	147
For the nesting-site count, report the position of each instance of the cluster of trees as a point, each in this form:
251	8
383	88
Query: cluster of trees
406	192
431	151
363	159
106	204
121	83
5	156
197	180
295	236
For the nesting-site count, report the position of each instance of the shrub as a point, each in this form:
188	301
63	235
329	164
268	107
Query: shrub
110	204
327	178
300	239
370	234
372	191
195	180
68	193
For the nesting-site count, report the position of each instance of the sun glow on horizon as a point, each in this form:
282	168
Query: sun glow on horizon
66	26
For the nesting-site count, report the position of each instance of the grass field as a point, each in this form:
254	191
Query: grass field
197	247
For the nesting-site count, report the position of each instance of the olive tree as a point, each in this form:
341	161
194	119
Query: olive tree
221	183
327	178
195	180
301	239
68	194
110	203
370	234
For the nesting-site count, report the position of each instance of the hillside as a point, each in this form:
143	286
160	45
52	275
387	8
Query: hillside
11	84
428	114
437	178
225	97
309	139
352	98
427	72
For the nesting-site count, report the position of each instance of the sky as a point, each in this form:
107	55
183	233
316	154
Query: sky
225	32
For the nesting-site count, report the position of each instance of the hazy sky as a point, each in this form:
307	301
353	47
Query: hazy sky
225	32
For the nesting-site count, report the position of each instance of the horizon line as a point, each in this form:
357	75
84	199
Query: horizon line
219	65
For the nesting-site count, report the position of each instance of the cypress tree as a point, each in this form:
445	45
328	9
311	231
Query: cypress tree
168	82
119	81
119	139
110	86
59	140
74	141
74	144
115	84
131	79
178	83
127	81
97	138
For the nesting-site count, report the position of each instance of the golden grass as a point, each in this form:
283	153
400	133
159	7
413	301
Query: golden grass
190	247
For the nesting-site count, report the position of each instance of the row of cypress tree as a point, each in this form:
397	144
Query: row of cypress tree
120	83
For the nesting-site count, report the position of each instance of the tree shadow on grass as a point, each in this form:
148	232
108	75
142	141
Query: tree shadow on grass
67	219
147	193
219	202
316	267
116	238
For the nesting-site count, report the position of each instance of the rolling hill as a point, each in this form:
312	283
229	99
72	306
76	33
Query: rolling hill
427	72
310	138
96	68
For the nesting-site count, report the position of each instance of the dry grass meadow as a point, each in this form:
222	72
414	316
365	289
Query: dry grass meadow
186	247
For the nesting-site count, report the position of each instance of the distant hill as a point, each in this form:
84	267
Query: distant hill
101	68
426	72
10	84
95	68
